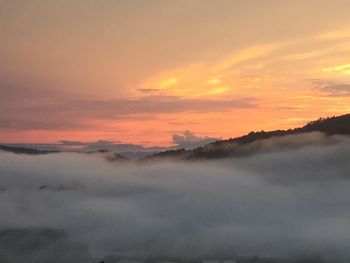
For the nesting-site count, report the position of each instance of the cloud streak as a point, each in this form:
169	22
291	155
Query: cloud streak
332	88
69	114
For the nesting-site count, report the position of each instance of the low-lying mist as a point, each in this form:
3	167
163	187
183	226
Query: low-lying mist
70	207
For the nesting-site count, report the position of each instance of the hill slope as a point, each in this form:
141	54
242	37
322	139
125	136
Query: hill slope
23	150
339	125
108	155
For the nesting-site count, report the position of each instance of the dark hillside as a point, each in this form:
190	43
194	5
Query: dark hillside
339	125
22	150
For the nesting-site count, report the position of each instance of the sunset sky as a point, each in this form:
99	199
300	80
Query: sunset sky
140	71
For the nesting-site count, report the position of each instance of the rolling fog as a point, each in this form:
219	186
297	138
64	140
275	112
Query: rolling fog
71	207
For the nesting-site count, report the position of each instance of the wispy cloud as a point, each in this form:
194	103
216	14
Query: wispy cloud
71	113
332	88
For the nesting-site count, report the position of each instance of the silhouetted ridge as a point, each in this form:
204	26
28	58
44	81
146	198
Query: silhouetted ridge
339	125
22	150
330	126
109	155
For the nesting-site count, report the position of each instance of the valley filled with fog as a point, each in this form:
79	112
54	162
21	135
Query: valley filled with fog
72	207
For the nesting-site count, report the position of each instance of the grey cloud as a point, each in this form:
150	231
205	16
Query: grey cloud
189	140
331	88
149	91
337	89
285	203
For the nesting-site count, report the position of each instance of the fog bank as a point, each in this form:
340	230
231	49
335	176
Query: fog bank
284	203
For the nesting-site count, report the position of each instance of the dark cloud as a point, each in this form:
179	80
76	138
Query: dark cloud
276	203
189	140
149	91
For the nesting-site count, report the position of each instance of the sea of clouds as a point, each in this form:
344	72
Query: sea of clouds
70	207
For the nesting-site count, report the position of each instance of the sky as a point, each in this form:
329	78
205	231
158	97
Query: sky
145	71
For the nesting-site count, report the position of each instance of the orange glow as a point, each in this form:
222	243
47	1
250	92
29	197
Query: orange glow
135	79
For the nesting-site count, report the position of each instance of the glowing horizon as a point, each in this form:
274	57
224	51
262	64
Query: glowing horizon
141	72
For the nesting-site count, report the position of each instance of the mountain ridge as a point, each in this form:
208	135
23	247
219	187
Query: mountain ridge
336	125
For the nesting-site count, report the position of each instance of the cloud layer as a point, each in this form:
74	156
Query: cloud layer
287	203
